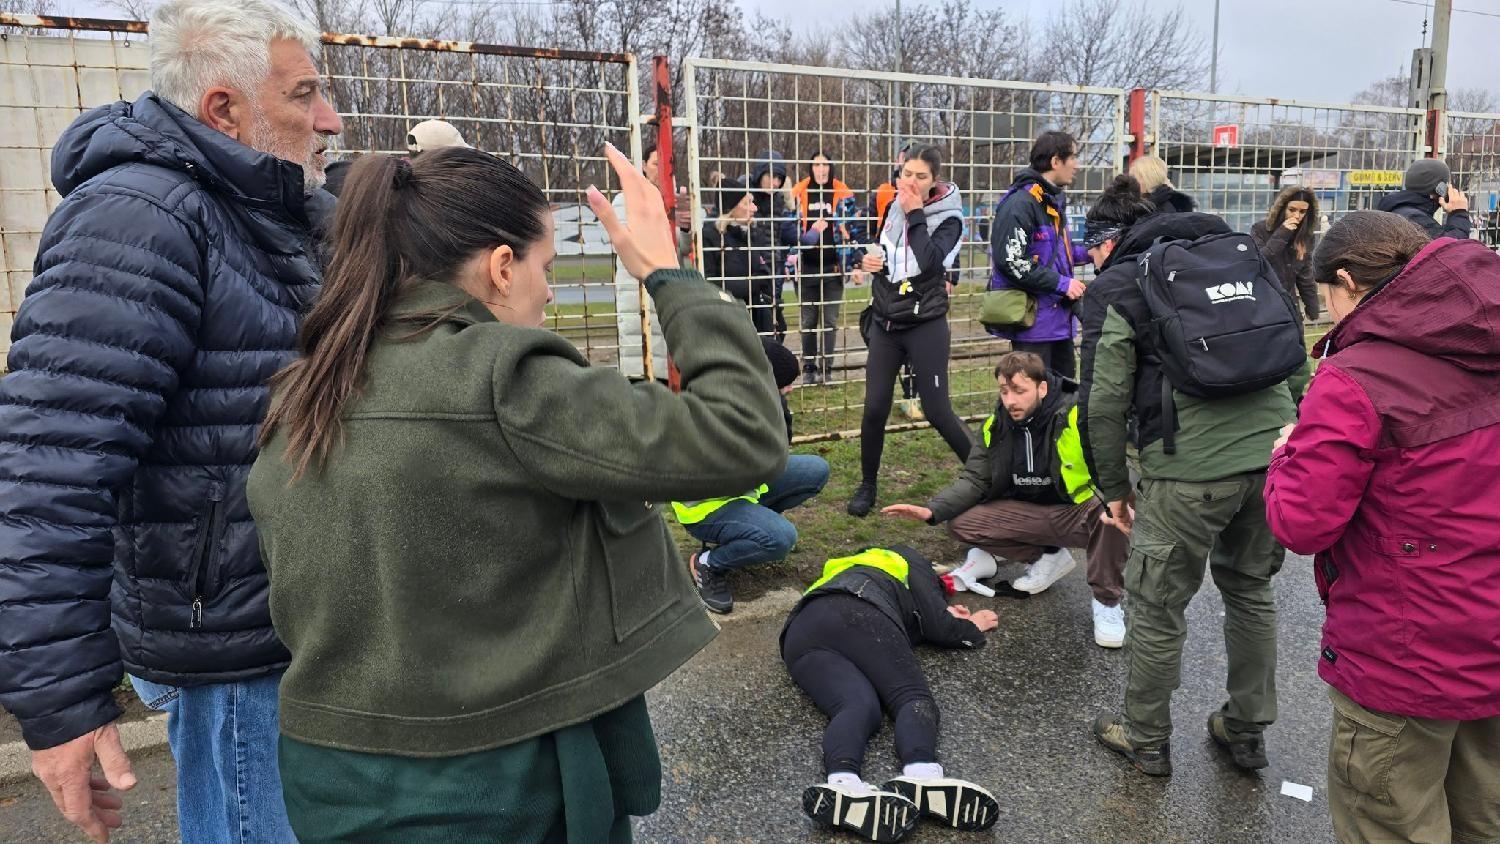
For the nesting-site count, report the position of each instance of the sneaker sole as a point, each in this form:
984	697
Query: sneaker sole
1105	642
878	816
961	805
1035	590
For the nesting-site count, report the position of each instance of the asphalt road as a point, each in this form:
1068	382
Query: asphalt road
739	741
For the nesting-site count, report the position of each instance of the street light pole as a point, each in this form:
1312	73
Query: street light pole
1213	72
900	41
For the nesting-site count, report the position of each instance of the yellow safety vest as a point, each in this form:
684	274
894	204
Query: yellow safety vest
693	512
889	562
1074	469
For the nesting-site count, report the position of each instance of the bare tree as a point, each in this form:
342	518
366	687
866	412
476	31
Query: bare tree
26	7
1101	42
136	10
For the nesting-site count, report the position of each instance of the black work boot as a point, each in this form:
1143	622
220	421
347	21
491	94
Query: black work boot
862	500
713	587
1248	753
1152	761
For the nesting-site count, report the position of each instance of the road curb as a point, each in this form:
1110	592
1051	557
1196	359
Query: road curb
775	603
146	734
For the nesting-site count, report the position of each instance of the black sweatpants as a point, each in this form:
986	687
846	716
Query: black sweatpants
1058	355
852	659
926	346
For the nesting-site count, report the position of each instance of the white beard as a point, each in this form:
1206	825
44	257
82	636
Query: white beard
289	150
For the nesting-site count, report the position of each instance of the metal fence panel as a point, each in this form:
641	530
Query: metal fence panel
48	76
984	129
1471	143
548	111
1234	154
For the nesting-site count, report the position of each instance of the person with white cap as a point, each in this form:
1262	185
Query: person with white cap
434	134
1426	188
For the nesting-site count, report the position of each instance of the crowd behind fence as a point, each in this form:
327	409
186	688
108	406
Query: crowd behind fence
550	111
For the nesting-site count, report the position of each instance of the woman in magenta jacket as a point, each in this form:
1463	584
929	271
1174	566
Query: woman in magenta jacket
1392	478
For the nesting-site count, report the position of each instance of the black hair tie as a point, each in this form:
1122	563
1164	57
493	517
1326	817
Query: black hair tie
402	176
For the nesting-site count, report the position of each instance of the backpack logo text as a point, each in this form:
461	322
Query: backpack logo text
1234	291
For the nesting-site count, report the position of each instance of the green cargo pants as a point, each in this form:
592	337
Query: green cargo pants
1179	525
1417	780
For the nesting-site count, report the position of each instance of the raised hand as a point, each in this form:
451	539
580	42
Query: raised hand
643	240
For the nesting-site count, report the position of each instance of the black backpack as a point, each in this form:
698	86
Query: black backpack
1221	323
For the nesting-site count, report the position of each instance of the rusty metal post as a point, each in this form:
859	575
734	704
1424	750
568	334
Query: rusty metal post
662	79
661	76
1137	123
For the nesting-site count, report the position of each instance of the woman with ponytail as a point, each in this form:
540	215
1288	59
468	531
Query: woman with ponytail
457	513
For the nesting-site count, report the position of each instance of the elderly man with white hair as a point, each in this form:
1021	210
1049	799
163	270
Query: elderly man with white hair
170	282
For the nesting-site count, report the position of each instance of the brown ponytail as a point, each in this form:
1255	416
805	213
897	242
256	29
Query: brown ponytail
1370	245
398	220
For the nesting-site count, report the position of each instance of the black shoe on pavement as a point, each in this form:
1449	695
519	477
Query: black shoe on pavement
959	804
879	816
713	587
1152	761
1248	754
862	500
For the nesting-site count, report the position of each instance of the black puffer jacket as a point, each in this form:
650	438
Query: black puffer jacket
168	288
1420	209
1169	200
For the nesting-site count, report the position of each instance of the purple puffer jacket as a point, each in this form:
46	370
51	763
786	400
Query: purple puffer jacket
1030	250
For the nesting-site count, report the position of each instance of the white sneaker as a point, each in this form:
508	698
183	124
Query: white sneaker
1044	572
1109	625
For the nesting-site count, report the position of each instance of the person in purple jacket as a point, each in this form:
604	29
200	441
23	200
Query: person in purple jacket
1030	251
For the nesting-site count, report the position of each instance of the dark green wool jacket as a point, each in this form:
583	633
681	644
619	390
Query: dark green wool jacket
483	559
1216	438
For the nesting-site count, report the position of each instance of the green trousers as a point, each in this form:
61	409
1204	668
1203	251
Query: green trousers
1180	525
577	785
1396	778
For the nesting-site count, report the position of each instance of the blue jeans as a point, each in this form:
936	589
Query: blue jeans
744	534
224	738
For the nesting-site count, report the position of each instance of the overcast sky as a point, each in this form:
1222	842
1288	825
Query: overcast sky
1319	50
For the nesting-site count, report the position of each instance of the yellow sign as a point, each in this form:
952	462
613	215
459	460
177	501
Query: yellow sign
1375	178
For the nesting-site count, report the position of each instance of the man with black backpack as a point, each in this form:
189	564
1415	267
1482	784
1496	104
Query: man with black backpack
1188	334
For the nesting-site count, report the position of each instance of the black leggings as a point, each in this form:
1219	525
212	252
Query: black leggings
1058	355
851	659
925	345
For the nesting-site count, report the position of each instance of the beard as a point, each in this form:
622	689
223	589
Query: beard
292	149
